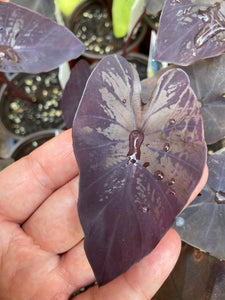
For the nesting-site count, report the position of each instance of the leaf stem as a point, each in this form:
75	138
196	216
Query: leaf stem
17	92
131	34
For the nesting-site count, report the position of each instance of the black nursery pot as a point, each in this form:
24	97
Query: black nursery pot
90	22
139	60
20	118
29	143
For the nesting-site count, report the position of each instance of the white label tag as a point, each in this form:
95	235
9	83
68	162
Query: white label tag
153	66
136	11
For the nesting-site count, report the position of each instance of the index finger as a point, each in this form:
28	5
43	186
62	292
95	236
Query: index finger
28	182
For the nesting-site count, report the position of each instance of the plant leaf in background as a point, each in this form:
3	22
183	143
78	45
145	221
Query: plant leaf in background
197	275
29	42
121	13
148	84
67	6
43	7
73	91
138	163
190	30
207	79
207	211
154	6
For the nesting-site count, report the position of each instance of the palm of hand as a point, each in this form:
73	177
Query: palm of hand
41	240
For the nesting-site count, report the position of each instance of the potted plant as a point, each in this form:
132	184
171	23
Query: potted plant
140	145
41	110
19	117
139	60
91	22
198	46
31	142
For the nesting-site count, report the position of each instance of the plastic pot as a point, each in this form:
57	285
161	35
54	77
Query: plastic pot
91	24
29	143
19	118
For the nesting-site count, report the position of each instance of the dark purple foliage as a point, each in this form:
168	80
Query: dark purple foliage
196	276
138	163
73	90
208	82
202	223
207	79
32	43
190	30
154	6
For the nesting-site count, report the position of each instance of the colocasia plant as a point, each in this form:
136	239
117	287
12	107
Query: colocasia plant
200	26
139	163
140	146
126	141
32	43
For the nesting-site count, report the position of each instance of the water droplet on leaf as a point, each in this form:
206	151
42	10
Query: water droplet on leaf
220	197
166	147
172	192
136	138
143	208
171	182
159	175
146	164
172	121
179	221
214	23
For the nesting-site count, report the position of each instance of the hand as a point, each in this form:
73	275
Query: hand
41	240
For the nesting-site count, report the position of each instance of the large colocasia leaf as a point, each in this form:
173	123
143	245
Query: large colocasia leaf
207	79
190	30
32	43
202	223
138	163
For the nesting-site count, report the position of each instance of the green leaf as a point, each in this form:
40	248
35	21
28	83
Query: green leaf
121	14
67	6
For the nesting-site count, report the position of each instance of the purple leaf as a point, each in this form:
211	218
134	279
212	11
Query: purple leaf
190	30
138	163
73	90
197	275
32	43
207	79
154	6
43	7
201	224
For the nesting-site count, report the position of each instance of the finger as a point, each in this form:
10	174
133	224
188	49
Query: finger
55	224
144	279
27	183
75	268
199	187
